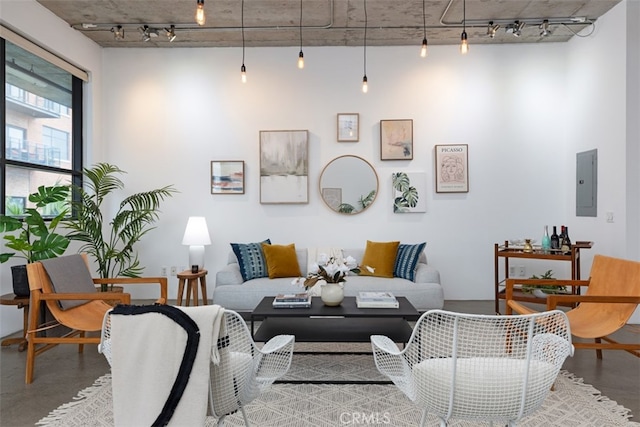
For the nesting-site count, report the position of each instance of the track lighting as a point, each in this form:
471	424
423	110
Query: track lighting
423	49
118	32
464	44
200	18
301	55
491	29
171	33
544	28
365	86
515	28
147	33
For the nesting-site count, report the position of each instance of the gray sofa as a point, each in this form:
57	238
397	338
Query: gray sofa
231	292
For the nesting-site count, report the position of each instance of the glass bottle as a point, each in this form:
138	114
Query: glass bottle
565	246
555	240
546	240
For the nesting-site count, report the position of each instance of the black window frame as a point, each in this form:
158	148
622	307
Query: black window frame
77	142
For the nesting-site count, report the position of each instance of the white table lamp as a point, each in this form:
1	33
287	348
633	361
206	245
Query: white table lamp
196	235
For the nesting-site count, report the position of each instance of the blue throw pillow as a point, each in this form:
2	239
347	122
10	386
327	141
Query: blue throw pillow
251	259
407	260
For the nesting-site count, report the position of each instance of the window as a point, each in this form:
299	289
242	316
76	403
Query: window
57	141
41	142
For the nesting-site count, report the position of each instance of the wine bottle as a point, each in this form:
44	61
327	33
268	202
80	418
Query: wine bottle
565	246
555	240
546	240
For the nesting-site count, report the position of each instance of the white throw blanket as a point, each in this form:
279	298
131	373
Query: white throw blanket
147	351
313	255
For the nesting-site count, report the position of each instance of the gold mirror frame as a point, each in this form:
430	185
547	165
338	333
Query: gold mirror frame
348	184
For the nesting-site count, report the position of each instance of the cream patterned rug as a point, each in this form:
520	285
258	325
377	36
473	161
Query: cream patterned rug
572	403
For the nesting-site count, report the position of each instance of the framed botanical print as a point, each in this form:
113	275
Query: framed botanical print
396	139
348	127
409	192
284	166
227	177
452	168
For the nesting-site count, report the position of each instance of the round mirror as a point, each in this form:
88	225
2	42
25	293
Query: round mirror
348	184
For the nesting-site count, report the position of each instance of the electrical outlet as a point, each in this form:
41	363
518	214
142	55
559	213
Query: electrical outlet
163	271
522	271
174	270
512	271
609	216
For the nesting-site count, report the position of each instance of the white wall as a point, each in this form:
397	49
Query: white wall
524	110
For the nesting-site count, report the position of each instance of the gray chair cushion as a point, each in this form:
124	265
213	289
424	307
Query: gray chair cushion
69	275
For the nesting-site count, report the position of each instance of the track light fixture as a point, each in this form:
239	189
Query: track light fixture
464	44
118	32
491	29
147	33
423	49
200	18
301	55
544	28
171	33
515	28
243	69
365	83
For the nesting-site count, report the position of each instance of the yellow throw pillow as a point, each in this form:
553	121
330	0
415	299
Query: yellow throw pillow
281	260
381	257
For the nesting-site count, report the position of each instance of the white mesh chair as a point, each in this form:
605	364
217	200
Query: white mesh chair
477	367
243	371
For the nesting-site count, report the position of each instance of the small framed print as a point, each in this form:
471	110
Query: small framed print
396	139
227	177
452	168
348	127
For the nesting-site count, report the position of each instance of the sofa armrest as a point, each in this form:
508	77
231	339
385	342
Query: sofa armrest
229	275
426	274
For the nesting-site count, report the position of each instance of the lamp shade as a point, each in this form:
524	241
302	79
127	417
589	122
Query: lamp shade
197	232
196	235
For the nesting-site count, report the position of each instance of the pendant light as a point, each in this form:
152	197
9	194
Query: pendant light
243	69
301	55
200	18
464	45
423	50
365	86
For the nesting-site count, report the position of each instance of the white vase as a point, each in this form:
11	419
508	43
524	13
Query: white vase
332	294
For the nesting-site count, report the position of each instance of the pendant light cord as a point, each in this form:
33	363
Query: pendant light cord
242	23
424	20
300	25
464	16
365	37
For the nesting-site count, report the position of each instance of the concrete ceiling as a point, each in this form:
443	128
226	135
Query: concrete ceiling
325	22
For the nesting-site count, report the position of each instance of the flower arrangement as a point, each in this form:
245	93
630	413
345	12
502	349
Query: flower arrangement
329	269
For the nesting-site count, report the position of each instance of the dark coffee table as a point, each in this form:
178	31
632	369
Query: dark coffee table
344	323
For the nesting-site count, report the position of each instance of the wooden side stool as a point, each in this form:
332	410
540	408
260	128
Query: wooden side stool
192	286
21	303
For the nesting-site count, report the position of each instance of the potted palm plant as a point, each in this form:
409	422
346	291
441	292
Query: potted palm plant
33	234
112	243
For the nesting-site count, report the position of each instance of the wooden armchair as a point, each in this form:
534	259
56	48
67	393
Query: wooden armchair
613	294
85	307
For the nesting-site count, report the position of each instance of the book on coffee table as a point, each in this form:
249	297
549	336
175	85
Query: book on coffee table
300	300
376	300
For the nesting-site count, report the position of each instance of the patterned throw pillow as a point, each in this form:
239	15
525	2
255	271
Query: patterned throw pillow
407	260
251	259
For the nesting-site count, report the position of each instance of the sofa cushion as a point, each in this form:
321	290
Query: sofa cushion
281	260
380	257
407	260
251	259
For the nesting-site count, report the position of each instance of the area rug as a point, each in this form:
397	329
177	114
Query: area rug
571	403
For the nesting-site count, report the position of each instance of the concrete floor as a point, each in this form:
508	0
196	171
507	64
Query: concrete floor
61	372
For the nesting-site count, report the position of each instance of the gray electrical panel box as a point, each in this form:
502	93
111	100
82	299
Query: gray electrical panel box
587	183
